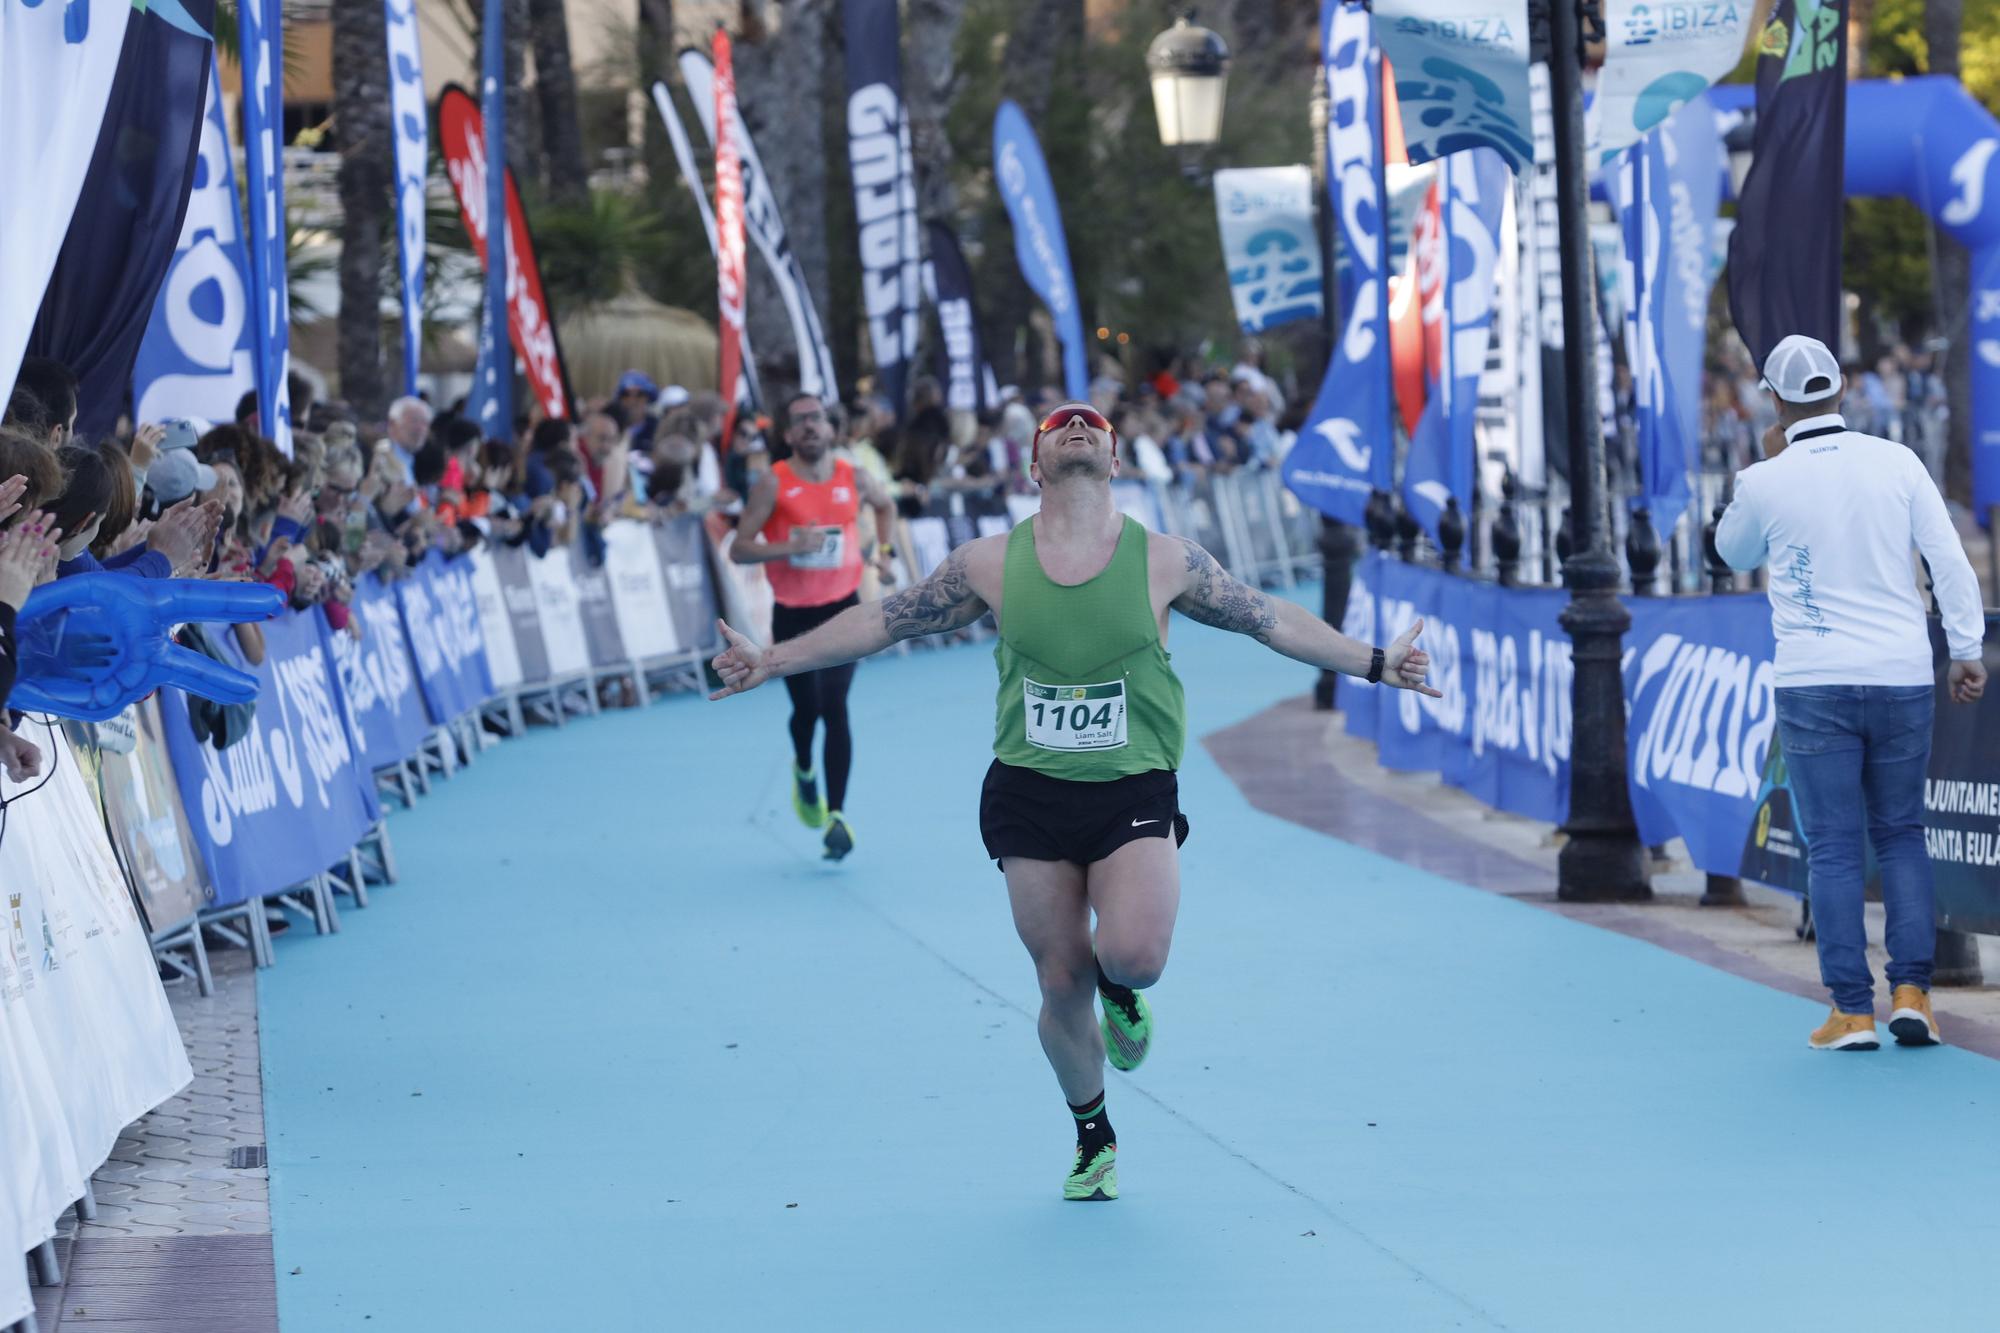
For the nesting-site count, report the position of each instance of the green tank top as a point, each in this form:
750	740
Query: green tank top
1087	691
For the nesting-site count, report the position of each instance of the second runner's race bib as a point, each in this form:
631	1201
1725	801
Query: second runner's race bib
832	552
1075	717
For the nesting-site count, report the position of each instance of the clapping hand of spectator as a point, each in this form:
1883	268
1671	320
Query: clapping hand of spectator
185	535
11	491
298	507
146	445
27	556
133	536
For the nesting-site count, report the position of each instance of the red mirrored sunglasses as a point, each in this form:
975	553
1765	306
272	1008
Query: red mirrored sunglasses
1062	416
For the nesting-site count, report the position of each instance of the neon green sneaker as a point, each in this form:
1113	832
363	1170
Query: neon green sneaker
807	803
1127	1027
1095	1180
839	839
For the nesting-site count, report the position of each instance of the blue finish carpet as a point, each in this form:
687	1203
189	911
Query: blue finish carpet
620	1053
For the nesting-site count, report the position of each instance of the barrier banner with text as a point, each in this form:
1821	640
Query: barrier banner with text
379	679
517	596
442	622
496	627
601	638
683	550
632	569
287	800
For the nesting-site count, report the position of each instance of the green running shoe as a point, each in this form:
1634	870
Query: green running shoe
807	803
1128	1028
1095	1180
839	838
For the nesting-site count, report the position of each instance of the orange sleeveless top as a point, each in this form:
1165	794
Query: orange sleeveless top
834	570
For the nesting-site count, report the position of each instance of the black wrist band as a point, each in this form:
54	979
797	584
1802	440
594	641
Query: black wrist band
1375	665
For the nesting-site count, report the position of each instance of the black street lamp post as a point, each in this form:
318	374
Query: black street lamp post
1602	859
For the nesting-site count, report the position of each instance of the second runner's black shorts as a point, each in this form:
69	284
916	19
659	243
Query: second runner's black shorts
1030	814
789	622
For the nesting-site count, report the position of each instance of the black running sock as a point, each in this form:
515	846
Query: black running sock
1093	1127
1123	996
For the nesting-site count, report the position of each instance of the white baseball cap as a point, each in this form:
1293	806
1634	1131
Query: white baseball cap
1801	370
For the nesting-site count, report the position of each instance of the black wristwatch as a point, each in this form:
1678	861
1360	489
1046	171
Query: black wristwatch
1375	665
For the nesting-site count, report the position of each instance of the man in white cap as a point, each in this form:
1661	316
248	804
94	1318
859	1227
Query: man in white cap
1837	513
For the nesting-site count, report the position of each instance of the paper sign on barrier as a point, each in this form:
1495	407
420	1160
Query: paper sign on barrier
496	627
561	618
639	592
593	605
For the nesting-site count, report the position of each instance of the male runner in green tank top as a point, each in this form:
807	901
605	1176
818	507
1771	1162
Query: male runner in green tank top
1082	797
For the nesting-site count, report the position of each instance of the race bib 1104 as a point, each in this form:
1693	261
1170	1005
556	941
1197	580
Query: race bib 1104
1075	717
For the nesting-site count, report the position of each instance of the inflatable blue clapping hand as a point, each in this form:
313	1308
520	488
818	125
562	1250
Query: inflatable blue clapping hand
93	644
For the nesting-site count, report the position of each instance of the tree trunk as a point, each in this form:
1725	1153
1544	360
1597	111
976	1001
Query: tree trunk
367	167
929	80
566	173
1943	22
522	158
783	64
1043	49
1860	23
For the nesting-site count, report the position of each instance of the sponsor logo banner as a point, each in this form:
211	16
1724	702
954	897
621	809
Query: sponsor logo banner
411	119
1039	243
885	191
1461	75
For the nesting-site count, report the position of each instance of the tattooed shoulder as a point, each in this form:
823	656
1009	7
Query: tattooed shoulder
1214	598
944	601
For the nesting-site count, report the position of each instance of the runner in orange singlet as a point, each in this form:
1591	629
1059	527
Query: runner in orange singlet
800	524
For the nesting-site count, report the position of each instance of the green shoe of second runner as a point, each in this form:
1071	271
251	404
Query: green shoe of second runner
807	803
1094	1180
1128	1030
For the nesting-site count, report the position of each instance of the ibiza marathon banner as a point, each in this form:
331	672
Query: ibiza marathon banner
411	119
1461	75
1348	446
1040	246
766	226
968	380
1269	246
885	190
1659	55
197	358
56	69
259	30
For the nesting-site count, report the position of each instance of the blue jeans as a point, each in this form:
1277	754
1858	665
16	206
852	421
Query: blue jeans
1858	756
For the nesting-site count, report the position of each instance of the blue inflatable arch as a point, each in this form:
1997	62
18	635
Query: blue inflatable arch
1928	141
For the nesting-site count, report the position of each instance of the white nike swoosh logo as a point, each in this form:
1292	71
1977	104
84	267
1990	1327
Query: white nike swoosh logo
1141	823
796	490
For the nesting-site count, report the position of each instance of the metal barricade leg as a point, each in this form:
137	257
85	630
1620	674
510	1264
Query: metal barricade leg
44	1265
86	1207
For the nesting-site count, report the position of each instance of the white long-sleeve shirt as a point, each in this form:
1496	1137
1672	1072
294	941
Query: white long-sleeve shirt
1837	514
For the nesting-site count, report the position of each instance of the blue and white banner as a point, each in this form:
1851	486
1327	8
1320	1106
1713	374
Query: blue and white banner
410	116
1668	191
1348	446
288	800
379	679
198	357
1039	243
128	219
262	37
57	64
441	619
1658	57
766	226
491	402
1269	246
1472	195
1461	75
1698	696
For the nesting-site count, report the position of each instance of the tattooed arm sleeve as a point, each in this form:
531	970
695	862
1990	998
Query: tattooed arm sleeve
1213	597
944	601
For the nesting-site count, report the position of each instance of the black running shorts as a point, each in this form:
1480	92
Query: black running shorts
789	622
1029	814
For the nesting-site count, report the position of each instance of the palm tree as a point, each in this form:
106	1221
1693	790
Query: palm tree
929	77
567	176
367	166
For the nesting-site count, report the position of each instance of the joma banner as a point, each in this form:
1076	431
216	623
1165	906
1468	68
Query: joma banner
464	148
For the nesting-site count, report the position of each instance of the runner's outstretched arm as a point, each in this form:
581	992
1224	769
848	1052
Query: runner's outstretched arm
944	601
1213	597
